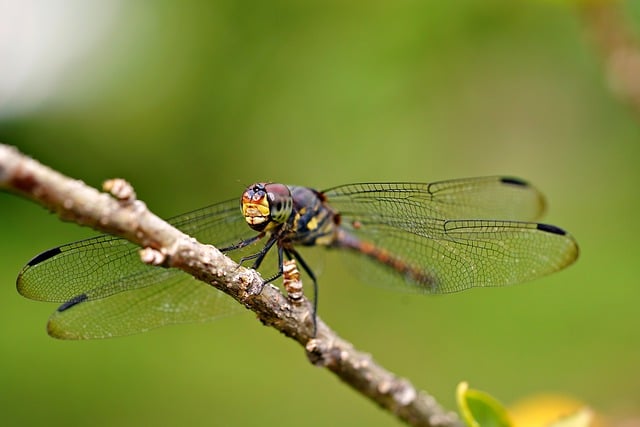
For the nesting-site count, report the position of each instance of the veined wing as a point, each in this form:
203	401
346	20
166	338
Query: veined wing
491	197
107	291
453	235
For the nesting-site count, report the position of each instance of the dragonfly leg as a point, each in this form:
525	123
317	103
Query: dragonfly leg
308	270
280	264
259	256
243	243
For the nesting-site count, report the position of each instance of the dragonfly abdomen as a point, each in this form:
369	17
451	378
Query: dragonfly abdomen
411	273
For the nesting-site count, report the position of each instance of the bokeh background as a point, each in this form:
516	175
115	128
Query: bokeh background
190	101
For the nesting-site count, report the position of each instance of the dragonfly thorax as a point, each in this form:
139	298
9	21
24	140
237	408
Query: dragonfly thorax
266	205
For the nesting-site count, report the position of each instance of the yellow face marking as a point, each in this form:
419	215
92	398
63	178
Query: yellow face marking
255	213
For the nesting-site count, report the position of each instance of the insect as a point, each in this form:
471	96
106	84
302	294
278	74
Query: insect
435	238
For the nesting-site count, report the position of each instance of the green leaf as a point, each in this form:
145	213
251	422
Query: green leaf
479	409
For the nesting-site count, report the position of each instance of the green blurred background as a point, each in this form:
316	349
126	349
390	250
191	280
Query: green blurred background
191	101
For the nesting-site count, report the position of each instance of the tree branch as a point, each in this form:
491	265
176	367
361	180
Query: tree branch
120	213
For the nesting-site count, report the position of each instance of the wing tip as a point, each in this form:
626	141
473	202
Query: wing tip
55	331
41	257
574	252
59	330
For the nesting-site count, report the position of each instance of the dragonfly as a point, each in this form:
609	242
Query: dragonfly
431	238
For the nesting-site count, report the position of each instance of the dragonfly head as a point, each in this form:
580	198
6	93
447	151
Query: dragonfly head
266	205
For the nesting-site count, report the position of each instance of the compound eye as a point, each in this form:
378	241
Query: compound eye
280	202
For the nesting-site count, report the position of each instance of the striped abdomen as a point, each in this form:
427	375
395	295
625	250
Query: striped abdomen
425	279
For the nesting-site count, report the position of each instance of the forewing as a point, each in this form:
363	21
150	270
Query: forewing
492	197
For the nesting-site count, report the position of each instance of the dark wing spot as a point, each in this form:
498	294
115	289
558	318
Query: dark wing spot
73	301
44	256
514	181
551	229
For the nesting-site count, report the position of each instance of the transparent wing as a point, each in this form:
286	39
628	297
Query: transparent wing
452	235
492	197
176	298
83	274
